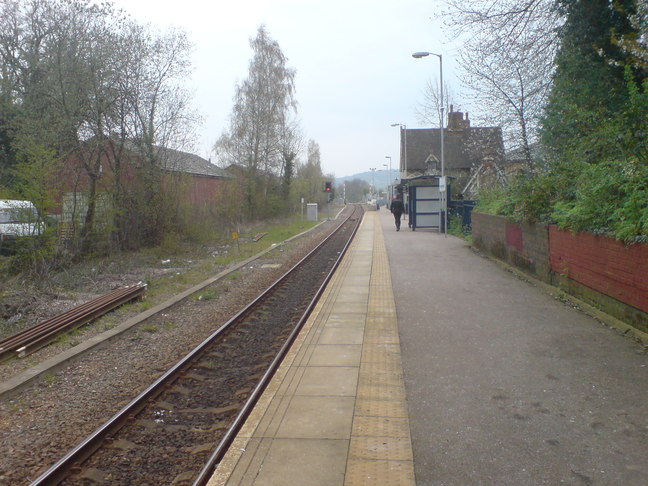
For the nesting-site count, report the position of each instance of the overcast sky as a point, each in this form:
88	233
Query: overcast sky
353	59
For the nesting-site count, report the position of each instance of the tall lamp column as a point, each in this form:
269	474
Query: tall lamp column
403	129
419	55
390	186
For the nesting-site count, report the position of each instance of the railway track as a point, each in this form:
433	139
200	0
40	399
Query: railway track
176	430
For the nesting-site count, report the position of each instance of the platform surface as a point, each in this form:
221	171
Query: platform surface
426	363
335	413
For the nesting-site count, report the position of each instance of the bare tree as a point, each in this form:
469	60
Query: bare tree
262	106
507	61
85	80
154	114
505	19
429	111
508	87
309	183
291	145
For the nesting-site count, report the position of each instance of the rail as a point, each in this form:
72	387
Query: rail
32	339
87	447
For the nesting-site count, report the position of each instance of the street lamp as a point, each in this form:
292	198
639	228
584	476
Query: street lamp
391	181
373	180
404	130
419	55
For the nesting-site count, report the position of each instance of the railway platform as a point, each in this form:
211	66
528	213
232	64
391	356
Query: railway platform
336	411
424	363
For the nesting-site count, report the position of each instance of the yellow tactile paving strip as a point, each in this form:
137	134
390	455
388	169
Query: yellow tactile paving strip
336	411
380	451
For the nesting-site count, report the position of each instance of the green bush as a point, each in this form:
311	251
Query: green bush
610	198
37	256
491	201
599	183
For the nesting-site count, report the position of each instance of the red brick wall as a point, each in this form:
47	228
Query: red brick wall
198	191
205	190
602	264
600	270
488	233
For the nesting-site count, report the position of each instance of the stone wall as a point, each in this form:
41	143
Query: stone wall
523	246
601	270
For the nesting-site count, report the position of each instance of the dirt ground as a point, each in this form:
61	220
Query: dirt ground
25	301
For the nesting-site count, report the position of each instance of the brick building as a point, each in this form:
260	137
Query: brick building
196	181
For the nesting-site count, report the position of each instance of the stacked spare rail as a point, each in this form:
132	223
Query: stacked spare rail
32	339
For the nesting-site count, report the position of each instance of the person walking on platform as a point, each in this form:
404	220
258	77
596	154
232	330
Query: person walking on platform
397	208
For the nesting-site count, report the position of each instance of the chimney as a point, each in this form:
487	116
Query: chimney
455	120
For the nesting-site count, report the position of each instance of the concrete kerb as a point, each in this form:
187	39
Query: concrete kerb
18	382
625	329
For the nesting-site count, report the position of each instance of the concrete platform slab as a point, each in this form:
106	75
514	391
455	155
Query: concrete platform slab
336	355
335	413
339	335
320	417
336	381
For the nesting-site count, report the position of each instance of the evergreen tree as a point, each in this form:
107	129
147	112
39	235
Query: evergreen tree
589	85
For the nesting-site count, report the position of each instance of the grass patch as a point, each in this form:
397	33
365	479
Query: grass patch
189	264
51	379
65	339
152	328
207	295
169	325
276	234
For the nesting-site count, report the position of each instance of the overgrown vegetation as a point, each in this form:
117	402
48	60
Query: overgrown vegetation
92	111
594	128
457	228
167	272
264	140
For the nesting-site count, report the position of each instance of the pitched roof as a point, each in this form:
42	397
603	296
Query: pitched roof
464	147
178	161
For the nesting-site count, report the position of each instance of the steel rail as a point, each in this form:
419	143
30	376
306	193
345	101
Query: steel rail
218	454
34	338
72	460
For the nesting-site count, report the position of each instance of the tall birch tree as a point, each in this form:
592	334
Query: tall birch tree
263	104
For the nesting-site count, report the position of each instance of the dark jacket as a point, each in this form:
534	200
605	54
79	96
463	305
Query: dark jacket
397	206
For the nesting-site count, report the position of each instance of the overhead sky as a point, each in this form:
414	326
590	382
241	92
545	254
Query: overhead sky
355	74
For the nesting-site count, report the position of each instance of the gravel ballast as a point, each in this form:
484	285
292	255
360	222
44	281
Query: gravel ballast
47	418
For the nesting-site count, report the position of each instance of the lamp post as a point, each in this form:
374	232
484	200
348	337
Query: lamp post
391	181
387	192
419	55
404	131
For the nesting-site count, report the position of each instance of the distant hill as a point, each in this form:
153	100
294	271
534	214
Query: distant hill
381	178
